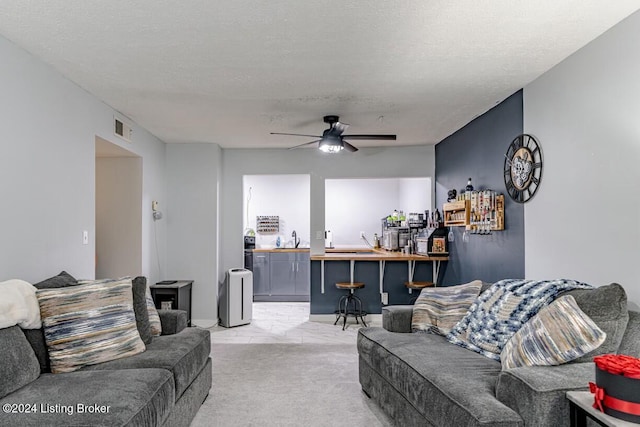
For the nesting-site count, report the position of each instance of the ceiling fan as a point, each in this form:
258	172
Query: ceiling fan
332	140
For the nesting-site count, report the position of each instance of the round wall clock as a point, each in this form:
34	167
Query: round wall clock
523	168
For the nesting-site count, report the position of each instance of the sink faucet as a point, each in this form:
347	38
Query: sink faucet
296	241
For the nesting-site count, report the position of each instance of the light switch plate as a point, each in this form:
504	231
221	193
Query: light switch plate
85	237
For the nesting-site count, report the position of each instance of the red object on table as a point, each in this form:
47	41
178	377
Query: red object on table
617	388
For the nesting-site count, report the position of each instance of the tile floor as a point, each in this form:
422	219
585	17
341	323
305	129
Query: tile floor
285	322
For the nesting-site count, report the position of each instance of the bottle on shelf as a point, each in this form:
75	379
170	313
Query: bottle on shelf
468	190
469	187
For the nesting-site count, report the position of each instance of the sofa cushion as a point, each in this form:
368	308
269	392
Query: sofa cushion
397	318
18	363
35	337
60	281
558	334
607	307
501	310
135	397
88	324
538	393
183	354
437	310
630	344
447	384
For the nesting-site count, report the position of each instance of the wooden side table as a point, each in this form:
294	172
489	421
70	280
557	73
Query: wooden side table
175	292
580	407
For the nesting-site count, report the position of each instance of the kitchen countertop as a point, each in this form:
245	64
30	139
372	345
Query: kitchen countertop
339	249
375	255
282	250
359	253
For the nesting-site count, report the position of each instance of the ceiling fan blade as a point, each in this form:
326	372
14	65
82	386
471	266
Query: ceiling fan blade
306	143
349	147
296	134
372	137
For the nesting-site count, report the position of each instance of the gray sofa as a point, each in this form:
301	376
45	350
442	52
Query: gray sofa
163	386
421	379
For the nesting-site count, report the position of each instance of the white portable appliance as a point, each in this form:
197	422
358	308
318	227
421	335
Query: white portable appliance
236	298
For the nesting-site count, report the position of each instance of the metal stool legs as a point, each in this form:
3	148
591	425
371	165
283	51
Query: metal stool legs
349	305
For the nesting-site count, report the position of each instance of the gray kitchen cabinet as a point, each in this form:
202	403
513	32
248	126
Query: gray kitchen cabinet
288	276
283	273
261	275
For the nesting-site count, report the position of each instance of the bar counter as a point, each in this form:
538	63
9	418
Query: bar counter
282	250
384	274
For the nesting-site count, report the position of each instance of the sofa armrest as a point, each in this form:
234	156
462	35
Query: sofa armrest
538	393
397	318
173	321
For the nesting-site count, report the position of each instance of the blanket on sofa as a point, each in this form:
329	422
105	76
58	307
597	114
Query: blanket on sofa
19	305
502	310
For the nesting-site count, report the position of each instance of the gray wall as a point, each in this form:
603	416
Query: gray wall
192	224
393	162
47	171
477	151
584	223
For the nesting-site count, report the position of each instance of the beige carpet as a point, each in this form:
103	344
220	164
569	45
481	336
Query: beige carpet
287	385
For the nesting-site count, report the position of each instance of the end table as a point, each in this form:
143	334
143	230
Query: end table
175	292
580	406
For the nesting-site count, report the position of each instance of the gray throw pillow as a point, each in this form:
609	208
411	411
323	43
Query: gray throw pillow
140	308
607	307
60	281
18	362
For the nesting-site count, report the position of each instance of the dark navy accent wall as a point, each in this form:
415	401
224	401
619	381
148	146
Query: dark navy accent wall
477	151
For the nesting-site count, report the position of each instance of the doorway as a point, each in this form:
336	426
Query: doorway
118	211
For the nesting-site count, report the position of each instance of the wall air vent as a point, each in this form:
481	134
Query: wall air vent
122	129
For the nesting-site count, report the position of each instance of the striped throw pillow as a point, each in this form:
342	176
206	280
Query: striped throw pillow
88	324
154	318
558	334
438	310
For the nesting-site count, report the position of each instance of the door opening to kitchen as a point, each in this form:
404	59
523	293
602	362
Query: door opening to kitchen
277	233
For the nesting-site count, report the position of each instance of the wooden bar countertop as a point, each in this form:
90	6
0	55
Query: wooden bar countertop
359	253
282	250
342	249
369	254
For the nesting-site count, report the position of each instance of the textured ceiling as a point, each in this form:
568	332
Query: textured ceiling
231	72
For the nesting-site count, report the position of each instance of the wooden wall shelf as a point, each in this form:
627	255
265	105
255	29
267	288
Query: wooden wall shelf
482	212
457	213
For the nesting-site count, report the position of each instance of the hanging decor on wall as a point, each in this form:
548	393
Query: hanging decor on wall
266	224
523	168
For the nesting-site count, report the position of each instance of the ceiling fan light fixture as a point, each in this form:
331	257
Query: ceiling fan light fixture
331	145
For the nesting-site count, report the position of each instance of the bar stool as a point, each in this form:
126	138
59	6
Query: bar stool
349	305
417	286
